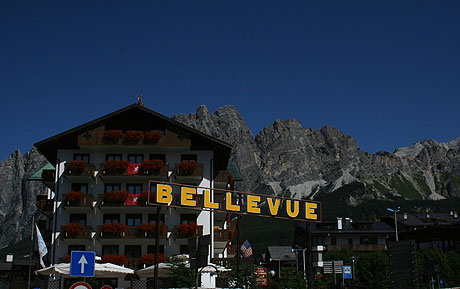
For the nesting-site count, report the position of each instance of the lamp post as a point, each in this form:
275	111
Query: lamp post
297	249
353	272
395	211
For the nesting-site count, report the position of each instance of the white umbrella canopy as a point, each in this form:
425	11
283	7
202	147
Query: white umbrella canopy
164	269
102	270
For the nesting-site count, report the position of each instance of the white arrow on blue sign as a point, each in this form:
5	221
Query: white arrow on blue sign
82	263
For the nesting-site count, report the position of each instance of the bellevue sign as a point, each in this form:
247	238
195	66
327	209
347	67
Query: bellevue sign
187	196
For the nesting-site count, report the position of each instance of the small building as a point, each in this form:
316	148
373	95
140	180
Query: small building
277	256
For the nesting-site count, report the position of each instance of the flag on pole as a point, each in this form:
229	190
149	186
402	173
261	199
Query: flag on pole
42	250
246	249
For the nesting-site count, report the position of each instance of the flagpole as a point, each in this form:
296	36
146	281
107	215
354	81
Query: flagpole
31	251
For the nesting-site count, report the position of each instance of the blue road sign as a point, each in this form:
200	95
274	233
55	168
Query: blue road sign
347	272
82	263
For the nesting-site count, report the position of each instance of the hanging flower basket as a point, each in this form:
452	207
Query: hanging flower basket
151	167
117	198
119	259
75	167
115	167
73	229
112	136
149	259
152	136
73	198
134	136
188	230
187	167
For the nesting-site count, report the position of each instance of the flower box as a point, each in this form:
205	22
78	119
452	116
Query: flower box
119	259
133	136
73	198
149	259
187	167
75	167
113	229
152	136
151	228
151	167
188	230
72	229
144	197
112	136
115	167
116	198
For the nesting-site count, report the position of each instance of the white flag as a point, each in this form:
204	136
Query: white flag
42	250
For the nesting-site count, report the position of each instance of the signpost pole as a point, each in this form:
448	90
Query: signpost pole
157	248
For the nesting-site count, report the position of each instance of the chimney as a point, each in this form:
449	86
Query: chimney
339	223
455	215
405	216
451	213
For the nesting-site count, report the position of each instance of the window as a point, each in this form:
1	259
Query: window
80	188
158	157
112	187
188	157
134	188
111	218
133	219
75	248
109	249
81	157
187	218
135	158
133	251
152	218
78	218
151	249
111	157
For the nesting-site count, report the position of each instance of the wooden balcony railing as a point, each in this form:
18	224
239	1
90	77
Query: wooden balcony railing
45	205
358	248
131	232
85	233
222	179
161	173
86	202
222	235
178	235
87	172
197	172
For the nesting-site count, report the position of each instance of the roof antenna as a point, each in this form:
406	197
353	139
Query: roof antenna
139	100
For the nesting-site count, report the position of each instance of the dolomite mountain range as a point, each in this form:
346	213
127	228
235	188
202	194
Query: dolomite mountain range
284	159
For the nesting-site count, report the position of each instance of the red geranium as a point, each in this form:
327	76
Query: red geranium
153	135
113	228
134	135
151	166
74	197
73	228
76	166
152	227
119	259
144	197
188	165
116	197
188	230
66	259
116	166
113	134
149	259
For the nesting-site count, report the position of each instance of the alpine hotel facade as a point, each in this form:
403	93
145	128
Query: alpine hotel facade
103	170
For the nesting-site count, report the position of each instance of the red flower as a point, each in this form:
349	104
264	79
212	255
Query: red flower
116	166
113	228
66	259
116	197
74	197
188	165
113	135
147	167
119	259
73	228
134	135
152	227
153	135
76	166
144	197
149	259
188	230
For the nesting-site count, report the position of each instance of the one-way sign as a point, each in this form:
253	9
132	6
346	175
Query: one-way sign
82	263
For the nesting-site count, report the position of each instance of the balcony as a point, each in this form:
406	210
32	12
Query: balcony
45	205
193	176
155	175
358	247
87	203
86	175
84	234
135	263
132	232
222	179
178	234
222	235
48	178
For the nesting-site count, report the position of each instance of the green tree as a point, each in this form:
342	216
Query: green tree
373	270
244	277
181	275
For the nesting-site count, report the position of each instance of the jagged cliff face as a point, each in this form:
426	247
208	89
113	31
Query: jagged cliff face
284	159
18	195
289	160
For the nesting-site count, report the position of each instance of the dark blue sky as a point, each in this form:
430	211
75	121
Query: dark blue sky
385	72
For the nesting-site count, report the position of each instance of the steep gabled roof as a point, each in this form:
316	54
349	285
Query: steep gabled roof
67	139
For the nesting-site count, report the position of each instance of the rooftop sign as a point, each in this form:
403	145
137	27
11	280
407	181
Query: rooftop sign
201	198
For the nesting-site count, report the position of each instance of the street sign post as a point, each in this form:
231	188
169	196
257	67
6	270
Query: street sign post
347	274
82	263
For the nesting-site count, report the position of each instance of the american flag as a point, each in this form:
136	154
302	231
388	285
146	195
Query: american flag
246	249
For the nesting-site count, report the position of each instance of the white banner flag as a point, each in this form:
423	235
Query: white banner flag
42	250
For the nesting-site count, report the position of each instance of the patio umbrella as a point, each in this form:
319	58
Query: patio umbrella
164	269
102	270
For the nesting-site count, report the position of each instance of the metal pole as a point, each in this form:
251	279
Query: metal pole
157	249
353	272
279	269
396	227
31	251
304	265
55	214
